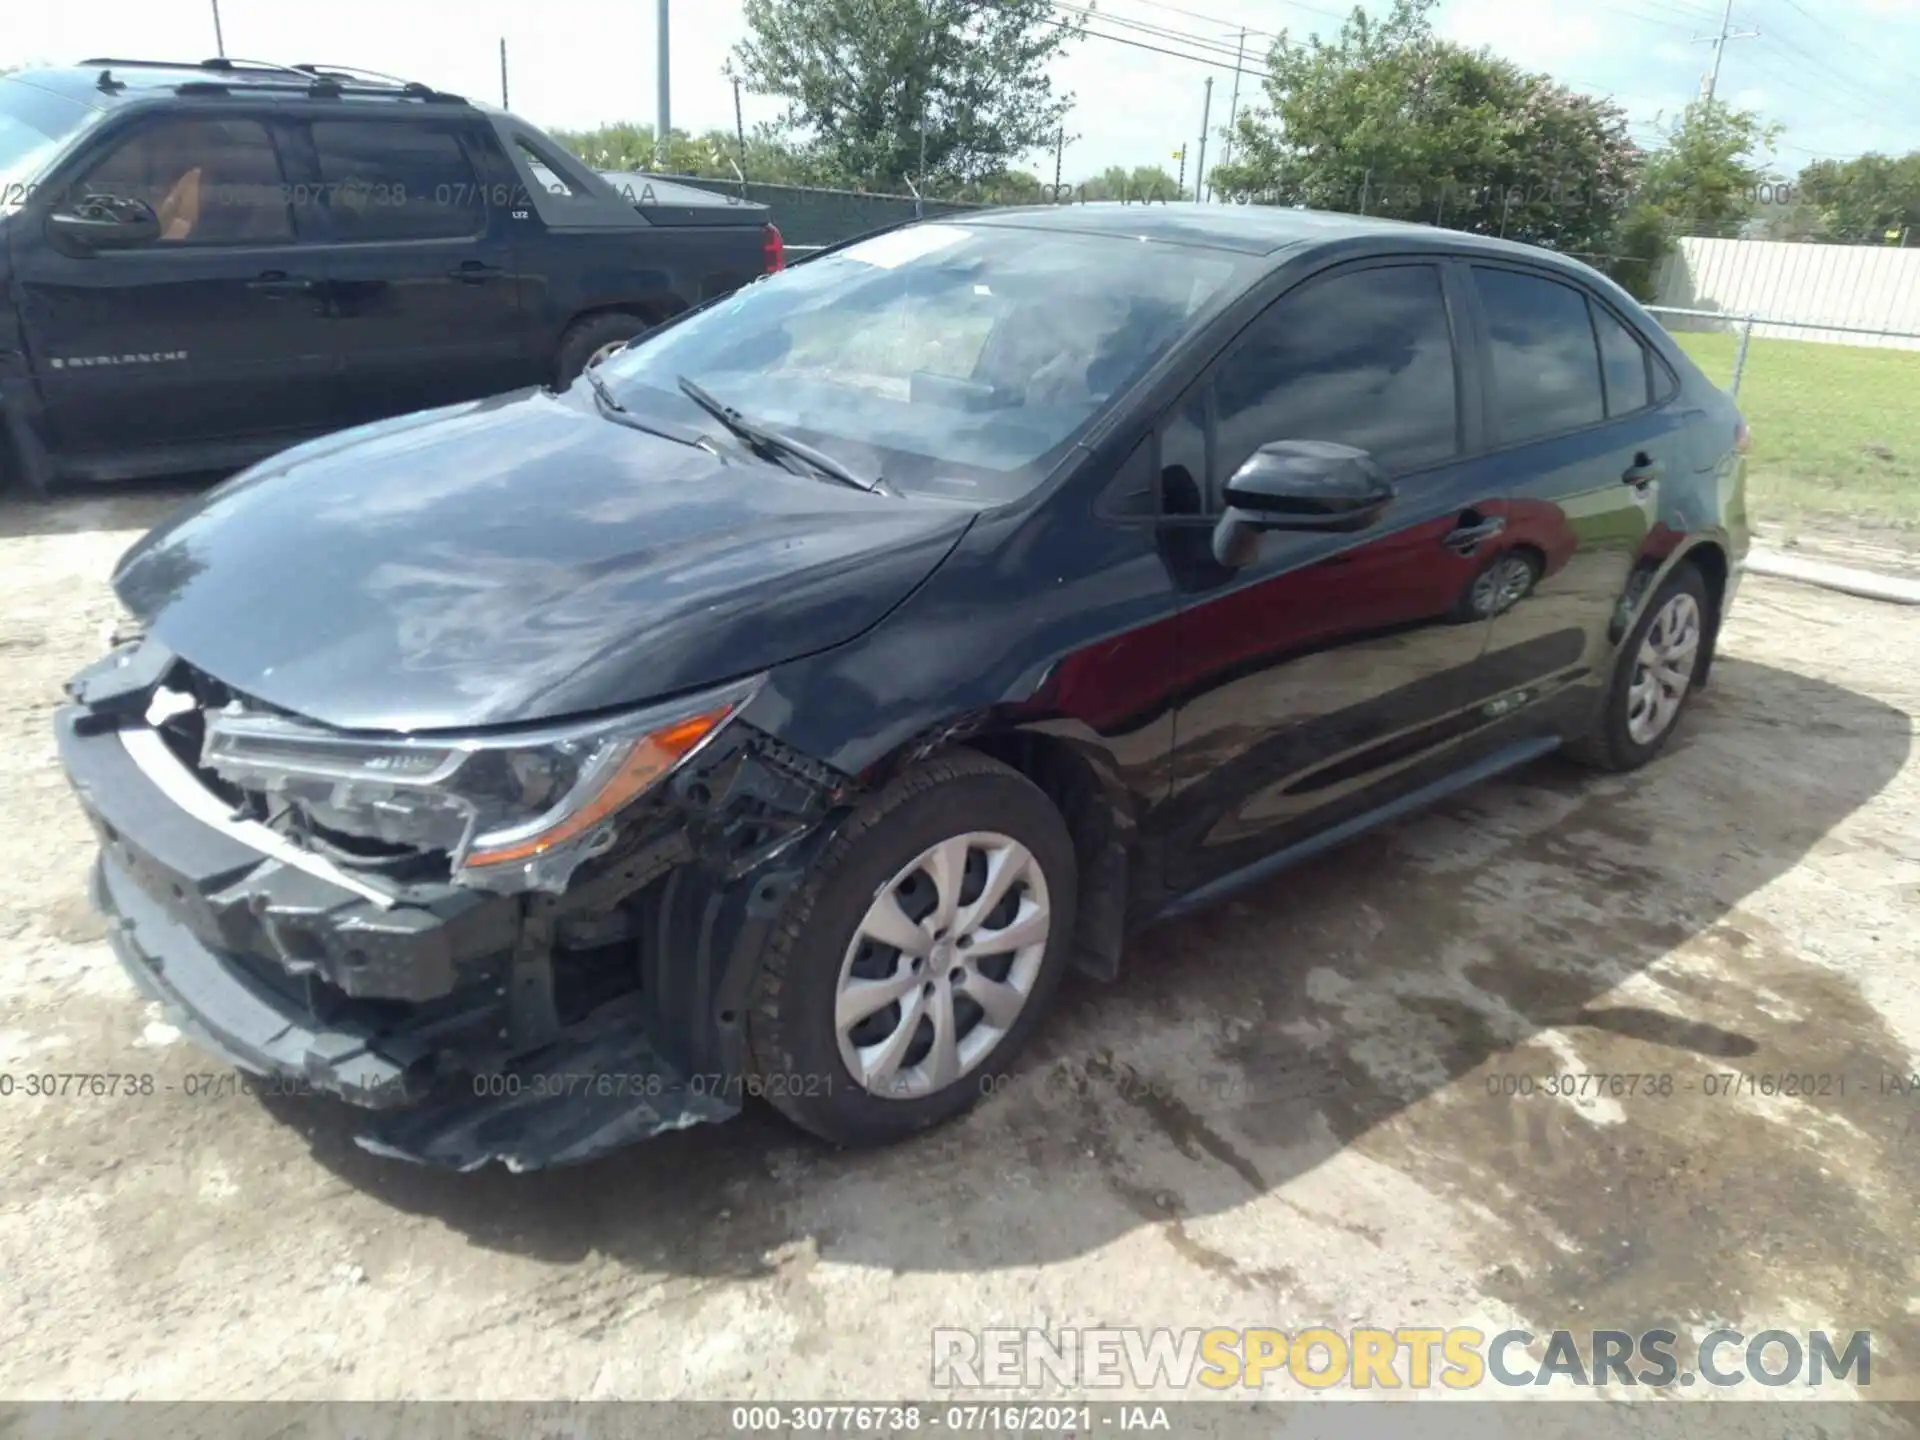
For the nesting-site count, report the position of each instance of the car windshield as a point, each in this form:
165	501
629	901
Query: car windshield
948	359
35	125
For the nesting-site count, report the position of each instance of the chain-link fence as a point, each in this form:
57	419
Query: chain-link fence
1834	410
811	216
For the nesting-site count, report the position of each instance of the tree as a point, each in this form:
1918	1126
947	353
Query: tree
1859	201
1391	120
1144	184
1707	177
949	92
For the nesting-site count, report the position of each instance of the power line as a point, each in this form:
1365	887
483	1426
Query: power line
1840	35
1848	92
1158	49
1644	18
1858	109
1157	32
1853	81
1222	55
1234	24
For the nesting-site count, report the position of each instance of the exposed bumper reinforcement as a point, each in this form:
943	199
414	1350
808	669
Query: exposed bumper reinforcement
599	1087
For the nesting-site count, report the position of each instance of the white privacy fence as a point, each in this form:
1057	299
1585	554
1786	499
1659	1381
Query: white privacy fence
1835	294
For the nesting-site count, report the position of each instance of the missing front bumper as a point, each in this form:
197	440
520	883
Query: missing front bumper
466	1027
599	1086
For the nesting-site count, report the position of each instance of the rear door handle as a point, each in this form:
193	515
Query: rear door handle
472	272
1644	470
1465	539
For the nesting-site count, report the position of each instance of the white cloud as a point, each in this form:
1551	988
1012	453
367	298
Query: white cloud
1546	36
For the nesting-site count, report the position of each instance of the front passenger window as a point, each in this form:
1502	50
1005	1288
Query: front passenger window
1364	359
209	181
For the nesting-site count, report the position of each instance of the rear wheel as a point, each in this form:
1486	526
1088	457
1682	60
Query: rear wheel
914	964
591	340
1654	677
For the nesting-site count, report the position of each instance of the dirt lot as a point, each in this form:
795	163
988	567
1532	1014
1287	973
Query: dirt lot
1750	905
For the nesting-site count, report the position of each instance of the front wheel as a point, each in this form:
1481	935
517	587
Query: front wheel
914	964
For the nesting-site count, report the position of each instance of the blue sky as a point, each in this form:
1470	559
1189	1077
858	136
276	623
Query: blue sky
1842	75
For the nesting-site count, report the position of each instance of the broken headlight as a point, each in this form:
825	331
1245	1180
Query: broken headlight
512	810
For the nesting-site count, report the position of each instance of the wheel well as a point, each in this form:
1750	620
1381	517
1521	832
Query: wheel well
1711	561
651	312
1098	826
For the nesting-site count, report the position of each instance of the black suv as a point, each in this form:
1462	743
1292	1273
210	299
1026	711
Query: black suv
202	264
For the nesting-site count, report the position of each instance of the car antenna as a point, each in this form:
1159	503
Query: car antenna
108	84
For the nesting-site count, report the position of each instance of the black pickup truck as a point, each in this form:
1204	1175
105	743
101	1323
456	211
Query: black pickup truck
201	264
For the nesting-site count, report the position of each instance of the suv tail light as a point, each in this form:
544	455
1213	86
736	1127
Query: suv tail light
1742	437
775	250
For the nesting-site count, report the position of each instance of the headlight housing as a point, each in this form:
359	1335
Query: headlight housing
513	810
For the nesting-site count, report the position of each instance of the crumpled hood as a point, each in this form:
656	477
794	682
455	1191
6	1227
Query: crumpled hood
516	559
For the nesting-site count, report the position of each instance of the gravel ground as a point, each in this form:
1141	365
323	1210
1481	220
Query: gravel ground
1746	906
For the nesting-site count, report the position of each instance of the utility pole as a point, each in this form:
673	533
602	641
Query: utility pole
1059	156
219	40
740	134
1183	170
503	72
1233	108
1719	43
663	113
1200	171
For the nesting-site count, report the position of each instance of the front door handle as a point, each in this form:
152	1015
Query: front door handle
472	272
1644	470
1466	538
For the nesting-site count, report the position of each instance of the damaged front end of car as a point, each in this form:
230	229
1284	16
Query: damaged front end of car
530	944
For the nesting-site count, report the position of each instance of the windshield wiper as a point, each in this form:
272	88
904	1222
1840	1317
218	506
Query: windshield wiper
610	406
770	444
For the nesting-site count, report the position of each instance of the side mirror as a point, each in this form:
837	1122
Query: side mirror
1312	486
105	222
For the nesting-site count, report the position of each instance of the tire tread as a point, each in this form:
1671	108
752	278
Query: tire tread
768	1048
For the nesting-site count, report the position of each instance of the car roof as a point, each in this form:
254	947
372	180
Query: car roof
1254	229
107	83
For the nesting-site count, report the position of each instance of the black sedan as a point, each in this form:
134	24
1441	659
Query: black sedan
784	707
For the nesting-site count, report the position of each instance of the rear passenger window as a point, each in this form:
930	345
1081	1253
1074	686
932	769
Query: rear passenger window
1362	359
1546	366
544	175
209	181
396	181
1624	361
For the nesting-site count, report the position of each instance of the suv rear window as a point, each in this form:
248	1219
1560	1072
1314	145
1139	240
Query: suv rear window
396	180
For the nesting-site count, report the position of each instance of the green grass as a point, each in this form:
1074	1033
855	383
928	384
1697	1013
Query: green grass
1836	430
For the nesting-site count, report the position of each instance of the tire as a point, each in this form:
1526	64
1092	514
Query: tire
1618	741
798	1054
586	337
